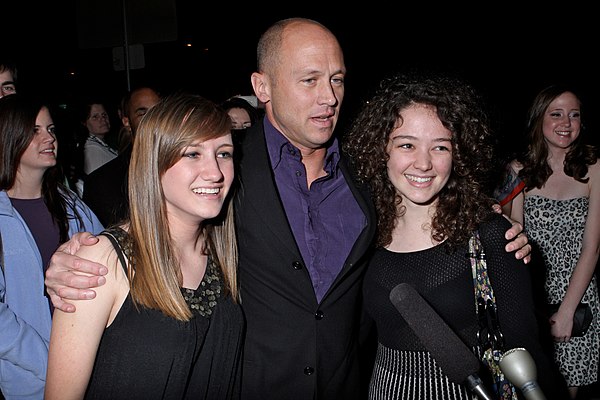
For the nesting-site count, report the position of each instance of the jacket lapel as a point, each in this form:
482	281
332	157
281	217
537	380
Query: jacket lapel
258	189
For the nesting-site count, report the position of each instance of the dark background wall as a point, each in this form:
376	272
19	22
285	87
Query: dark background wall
66	47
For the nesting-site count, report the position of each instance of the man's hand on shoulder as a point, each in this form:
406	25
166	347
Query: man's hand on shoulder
62	283
518	240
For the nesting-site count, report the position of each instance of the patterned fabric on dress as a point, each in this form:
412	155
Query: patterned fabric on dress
556	227
399	375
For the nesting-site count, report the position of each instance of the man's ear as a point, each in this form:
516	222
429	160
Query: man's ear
260	85
125	121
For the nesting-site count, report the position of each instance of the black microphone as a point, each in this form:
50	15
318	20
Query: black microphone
518	366
454	357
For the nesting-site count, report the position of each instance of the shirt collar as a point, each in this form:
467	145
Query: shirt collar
277	143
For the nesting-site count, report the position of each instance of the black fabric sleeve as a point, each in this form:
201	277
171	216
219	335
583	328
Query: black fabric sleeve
512	284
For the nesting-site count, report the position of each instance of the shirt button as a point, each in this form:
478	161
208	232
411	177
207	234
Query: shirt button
319	315
298	173
309	370
297	265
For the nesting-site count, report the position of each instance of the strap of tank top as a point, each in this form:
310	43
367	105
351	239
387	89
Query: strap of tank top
117	247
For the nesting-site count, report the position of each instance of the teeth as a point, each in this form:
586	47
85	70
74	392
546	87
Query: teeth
205	191
563	133
417	179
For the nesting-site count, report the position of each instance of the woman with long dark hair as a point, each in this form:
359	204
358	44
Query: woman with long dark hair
559	205
37	213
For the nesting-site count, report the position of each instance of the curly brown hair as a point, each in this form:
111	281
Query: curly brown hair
463	202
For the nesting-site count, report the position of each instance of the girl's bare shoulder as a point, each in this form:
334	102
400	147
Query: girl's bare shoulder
103	252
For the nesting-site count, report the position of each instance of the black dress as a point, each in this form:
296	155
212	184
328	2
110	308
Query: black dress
144	354
404	369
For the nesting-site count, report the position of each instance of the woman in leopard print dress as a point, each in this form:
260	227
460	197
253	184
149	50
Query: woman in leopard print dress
560	209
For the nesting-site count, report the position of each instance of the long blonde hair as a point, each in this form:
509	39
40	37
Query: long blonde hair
171	125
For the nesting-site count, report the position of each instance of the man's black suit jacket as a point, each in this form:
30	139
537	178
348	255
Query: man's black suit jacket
295	348
105	189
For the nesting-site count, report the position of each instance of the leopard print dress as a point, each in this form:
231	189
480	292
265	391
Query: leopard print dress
556	227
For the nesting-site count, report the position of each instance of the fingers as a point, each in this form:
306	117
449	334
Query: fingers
72	293
87	239
64	284
64	280
67	285
521	244
64	261
58	303
524	254
560	333
76	241
515	230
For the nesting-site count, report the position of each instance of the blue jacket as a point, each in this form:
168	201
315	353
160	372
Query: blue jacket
25	319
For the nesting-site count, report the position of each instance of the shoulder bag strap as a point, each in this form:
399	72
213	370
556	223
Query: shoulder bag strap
485	302
489	336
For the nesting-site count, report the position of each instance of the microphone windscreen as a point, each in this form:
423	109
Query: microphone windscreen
518	366
455	359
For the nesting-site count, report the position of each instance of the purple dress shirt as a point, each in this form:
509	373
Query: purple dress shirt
325	219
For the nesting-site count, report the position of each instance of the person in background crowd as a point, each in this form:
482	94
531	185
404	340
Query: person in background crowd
105	189
95	119
559	205
243	114
423	144
304	228
8	78
167	323
37	213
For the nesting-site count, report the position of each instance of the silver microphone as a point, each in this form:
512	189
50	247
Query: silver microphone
518	366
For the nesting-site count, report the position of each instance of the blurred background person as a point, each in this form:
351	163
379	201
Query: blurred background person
95	118
243	114
105	189
559	205
37	213
8	78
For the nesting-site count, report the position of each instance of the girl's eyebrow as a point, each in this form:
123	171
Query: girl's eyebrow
440	139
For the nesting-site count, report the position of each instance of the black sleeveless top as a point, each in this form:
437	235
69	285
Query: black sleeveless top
144	354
